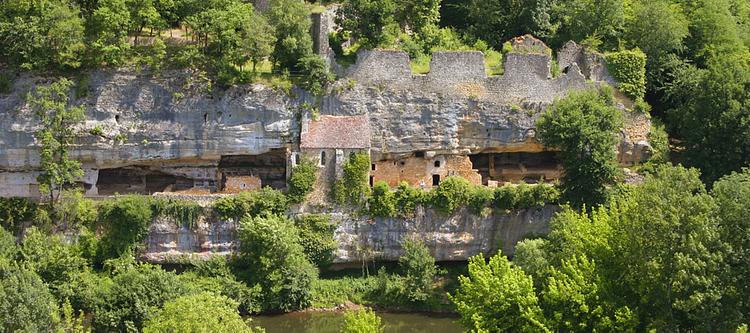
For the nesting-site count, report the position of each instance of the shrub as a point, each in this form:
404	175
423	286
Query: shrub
362	321
628	67
50	257
204	312
354	186
26	304
419	270
452	194
480	197
15	211
301	181
407	199
506	197
270	247
382	202
315	75
265	201
125	222
316	236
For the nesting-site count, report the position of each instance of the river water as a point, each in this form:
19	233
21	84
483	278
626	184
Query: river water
331	323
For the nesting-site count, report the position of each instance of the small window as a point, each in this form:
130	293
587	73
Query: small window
372	167
296	159
372	181
117	118
205	118
437	164
419	154
435	180
402	163
322	158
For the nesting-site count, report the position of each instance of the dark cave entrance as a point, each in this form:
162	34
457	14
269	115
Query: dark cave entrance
139	180
270	167
517	167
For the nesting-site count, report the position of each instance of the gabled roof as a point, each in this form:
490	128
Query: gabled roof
351	132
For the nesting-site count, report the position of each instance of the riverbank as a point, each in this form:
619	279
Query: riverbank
331	322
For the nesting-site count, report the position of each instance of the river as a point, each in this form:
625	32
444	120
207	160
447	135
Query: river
327	322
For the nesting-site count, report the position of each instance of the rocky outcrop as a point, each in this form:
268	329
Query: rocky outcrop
450	238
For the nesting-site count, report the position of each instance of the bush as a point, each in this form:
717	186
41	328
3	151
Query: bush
316	236
419	270
382	202
270	247
315	75
480	198
15	211
26	305
452	194
125	222
302	181
265	201
354	186
134	295
50	257
407	199
628	67
362	321
204	312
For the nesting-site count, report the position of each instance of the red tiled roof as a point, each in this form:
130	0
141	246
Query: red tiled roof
337	132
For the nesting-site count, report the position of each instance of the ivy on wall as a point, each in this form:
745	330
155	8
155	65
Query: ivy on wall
628	67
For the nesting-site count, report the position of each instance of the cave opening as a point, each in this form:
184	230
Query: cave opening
516	167
269	168
139	180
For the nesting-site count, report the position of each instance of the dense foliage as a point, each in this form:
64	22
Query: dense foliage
202	312
584	126
316	237
419	270
362	321
353	188
301	181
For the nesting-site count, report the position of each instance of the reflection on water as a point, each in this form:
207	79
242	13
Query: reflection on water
331	323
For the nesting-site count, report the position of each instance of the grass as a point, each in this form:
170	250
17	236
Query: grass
420	65
493	62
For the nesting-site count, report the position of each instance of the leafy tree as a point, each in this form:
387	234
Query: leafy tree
499	20
369	22
315	74
452	194
498	297
137	291
125	221
7	246
732	195
419	15
111	22
265	201
53	260
26	304
666	245
581	19
57	133
316	237
202	312
291	20
143	14
419	270
584	127
15	211
532	257
258	38
362	321
270	247
382	202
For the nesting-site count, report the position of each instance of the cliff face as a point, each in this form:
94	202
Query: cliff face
449	238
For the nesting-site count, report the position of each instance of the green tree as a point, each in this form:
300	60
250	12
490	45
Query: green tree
452	193
136	292
382	202
732	195
419	15
419	270
584	127
498	297
291	20
581	19
497	21
316	236
26	304
270	247
57	133
531	255
53	260
666	245
369	22
200	313
257	39
362	321
315	74
124	222
143	14
110	22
